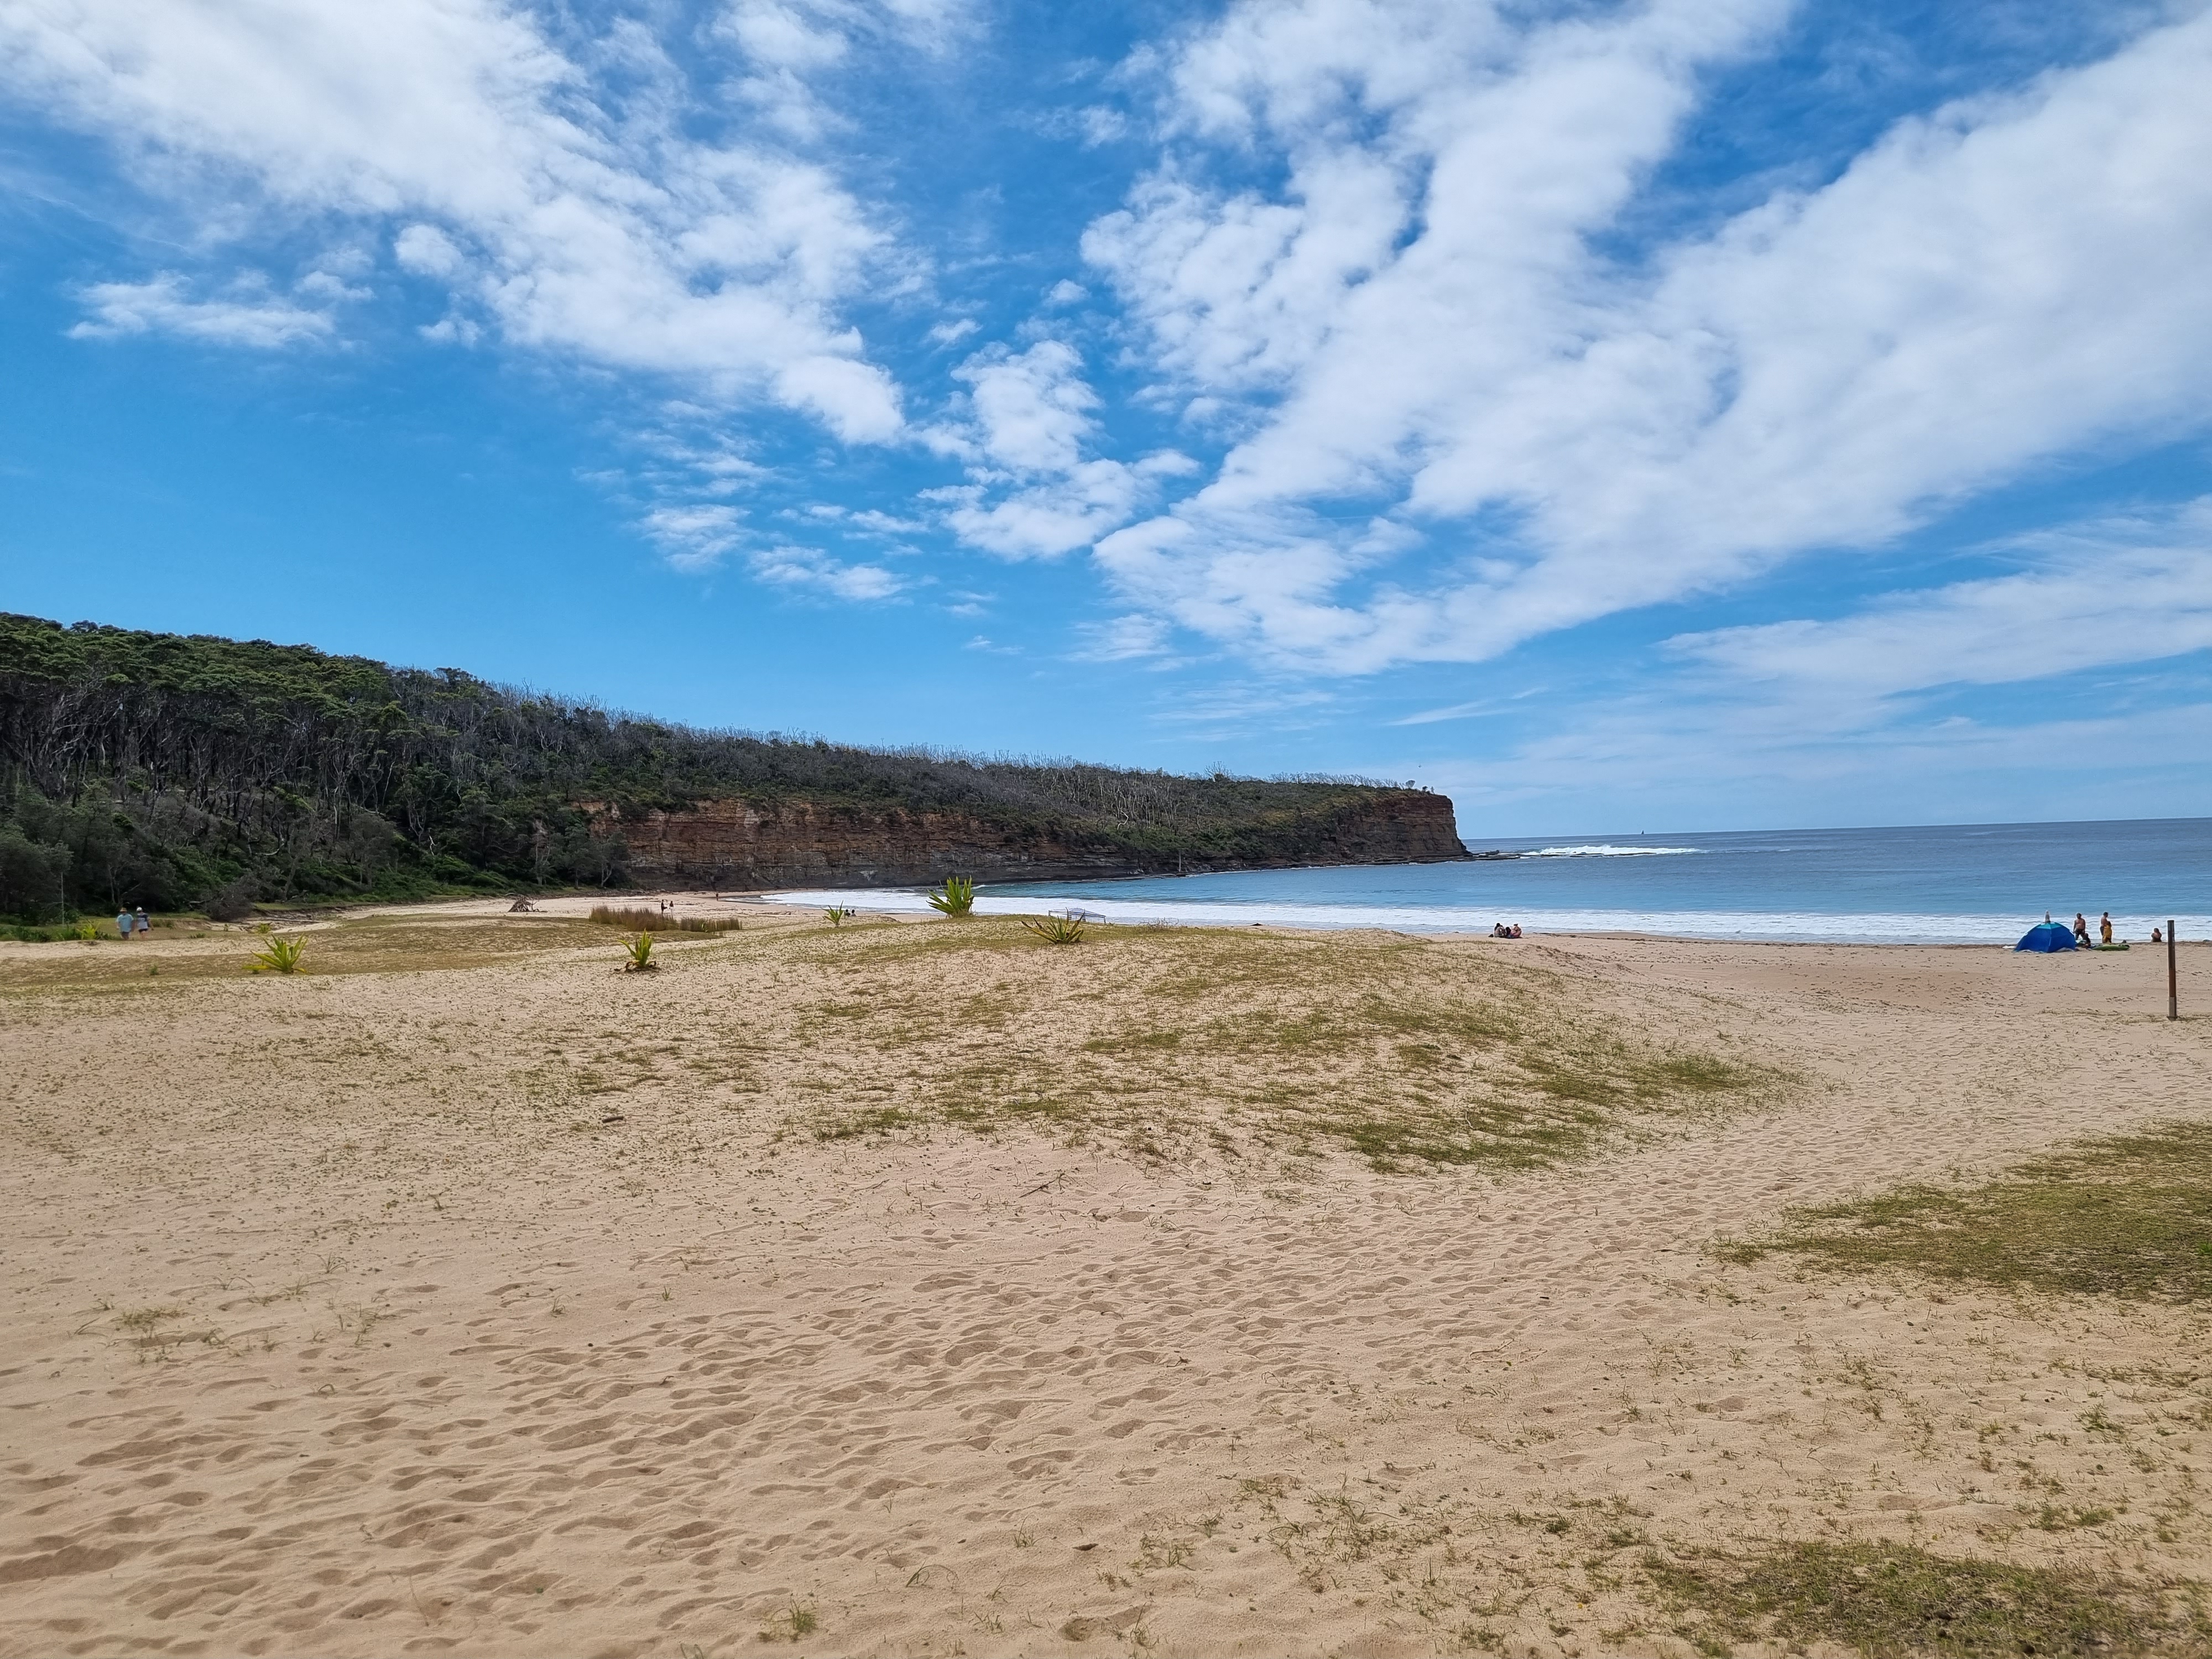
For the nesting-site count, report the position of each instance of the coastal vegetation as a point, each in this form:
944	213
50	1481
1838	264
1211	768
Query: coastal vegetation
1408	1054
2127	1215
1056	929
637	918
956	897
279	955
197	773
1891	1601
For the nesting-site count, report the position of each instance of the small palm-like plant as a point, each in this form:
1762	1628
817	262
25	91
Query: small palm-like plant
956	898
279	956
638	949
1056	930
88	930
839	914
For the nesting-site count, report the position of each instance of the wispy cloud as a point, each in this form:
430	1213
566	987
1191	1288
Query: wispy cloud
559	195
812	571
2112	592
249	315
1421	317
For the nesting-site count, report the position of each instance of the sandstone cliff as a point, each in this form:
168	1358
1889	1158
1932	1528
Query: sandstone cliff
733	844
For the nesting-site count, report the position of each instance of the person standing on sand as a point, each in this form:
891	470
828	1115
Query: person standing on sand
2105	927
2080	930
123	924
143	922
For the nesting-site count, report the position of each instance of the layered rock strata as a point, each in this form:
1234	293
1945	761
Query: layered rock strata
733	844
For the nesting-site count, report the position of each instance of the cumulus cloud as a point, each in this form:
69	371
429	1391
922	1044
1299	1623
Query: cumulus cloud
1421	321
249	315
1032	418
574	220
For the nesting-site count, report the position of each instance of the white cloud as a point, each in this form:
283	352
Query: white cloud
694	536
1033	417
1121	639
619	239
2099	595
252	316
1420	319
428	252
803	567
1033	410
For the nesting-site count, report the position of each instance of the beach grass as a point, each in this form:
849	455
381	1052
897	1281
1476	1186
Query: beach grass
1408	1053
2127	1215
1889	1600
641	919
371	945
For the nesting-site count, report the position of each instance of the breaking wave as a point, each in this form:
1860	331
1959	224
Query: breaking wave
1604	850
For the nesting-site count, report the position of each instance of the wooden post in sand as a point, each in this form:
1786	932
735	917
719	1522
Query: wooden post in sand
2173	979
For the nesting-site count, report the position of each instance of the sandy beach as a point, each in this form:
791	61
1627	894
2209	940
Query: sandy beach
921	1288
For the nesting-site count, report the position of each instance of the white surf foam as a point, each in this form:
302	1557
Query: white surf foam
1601	850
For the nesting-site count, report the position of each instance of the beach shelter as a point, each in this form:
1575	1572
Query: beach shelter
2046	936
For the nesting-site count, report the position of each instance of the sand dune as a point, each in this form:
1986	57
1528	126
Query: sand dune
509	1307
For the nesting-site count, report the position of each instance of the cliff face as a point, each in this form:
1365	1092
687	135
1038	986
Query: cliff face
733	844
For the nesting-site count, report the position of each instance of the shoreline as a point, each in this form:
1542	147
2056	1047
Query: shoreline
912	904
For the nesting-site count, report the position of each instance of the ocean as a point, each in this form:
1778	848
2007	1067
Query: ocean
1947	884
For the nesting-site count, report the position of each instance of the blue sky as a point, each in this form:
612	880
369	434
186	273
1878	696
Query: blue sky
1697	413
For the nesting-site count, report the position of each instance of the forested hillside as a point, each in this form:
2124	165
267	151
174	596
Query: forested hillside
193	772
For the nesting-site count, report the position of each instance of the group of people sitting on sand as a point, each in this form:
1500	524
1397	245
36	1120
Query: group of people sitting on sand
1501	930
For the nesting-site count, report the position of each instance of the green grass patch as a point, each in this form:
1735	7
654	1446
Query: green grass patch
1891	1600
1404	1052
2125	1215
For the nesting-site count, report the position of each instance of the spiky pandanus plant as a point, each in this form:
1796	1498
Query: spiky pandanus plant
638	951
279	956
1057	930
956	898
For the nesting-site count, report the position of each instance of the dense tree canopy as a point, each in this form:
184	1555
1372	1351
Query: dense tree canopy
178	770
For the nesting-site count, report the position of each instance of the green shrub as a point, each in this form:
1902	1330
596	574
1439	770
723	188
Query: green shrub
1056	930
280	955
956	898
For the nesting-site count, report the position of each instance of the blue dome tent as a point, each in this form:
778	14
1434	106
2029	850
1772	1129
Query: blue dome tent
2046	936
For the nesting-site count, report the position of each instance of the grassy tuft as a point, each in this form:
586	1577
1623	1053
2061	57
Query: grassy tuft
2127	1215
1890	1600
636	919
